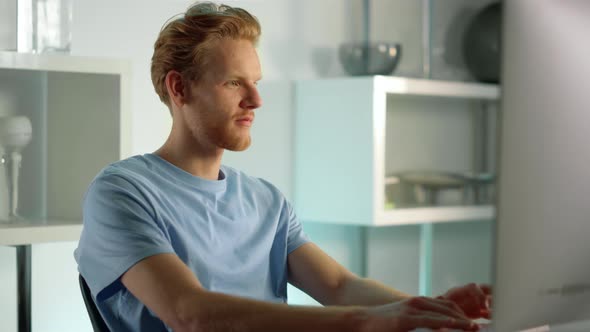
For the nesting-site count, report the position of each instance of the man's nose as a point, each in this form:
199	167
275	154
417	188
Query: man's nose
252	100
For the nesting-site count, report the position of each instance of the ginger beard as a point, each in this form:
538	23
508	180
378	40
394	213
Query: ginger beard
219	129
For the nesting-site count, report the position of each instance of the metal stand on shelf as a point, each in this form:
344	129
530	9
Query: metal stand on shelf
364	233
426	39
482	146
23	259
425	277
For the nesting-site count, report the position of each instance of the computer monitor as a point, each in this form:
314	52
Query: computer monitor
542	262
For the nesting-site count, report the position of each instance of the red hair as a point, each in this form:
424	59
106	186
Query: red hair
184	43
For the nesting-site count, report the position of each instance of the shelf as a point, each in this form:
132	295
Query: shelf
36	232
63	63
435	215
434	88
418	216
415	87
351	133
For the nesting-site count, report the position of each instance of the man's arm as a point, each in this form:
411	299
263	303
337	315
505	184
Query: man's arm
320	276
170	289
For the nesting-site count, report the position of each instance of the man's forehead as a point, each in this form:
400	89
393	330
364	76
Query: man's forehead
237	58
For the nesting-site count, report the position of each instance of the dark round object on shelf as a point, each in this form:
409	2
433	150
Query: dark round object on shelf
369	58
482	44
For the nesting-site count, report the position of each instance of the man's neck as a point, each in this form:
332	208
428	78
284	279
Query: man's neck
198	163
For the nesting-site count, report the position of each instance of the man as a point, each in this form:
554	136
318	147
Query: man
175	240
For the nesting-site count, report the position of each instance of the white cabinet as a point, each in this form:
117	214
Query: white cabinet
353	133
79	110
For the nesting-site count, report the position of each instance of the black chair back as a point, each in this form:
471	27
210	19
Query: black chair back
98	324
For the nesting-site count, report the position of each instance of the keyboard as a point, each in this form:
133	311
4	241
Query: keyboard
488	328
484	328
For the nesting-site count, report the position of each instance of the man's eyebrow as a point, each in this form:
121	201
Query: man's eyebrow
243	78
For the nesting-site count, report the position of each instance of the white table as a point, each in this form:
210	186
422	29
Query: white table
23	235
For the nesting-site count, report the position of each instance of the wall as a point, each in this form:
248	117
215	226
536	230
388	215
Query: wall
8	25
299	41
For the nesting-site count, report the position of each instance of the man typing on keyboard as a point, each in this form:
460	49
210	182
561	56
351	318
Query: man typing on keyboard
174	240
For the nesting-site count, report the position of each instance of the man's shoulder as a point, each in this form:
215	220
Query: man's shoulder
136	169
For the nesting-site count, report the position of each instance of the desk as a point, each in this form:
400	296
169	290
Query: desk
23	235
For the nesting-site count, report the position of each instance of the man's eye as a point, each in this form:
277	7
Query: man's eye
234	83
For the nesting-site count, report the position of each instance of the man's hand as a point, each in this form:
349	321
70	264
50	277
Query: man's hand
418	312
474	300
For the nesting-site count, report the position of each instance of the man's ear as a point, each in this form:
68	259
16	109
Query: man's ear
175	86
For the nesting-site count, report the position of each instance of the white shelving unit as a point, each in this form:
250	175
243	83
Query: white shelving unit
79	108
346	144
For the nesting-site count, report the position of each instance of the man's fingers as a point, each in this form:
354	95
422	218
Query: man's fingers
443	307
480	296
474	299
437	321
486	289
486	314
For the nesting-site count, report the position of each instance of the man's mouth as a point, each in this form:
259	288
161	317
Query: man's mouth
245	121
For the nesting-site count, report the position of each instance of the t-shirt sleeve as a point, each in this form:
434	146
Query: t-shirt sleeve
120	229
296	236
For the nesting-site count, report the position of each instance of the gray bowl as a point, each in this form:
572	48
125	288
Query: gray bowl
369	58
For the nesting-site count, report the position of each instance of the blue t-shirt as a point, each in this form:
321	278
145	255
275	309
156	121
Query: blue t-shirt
234	233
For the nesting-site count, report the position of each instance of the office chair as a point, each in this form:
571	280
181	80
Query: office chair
98	324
